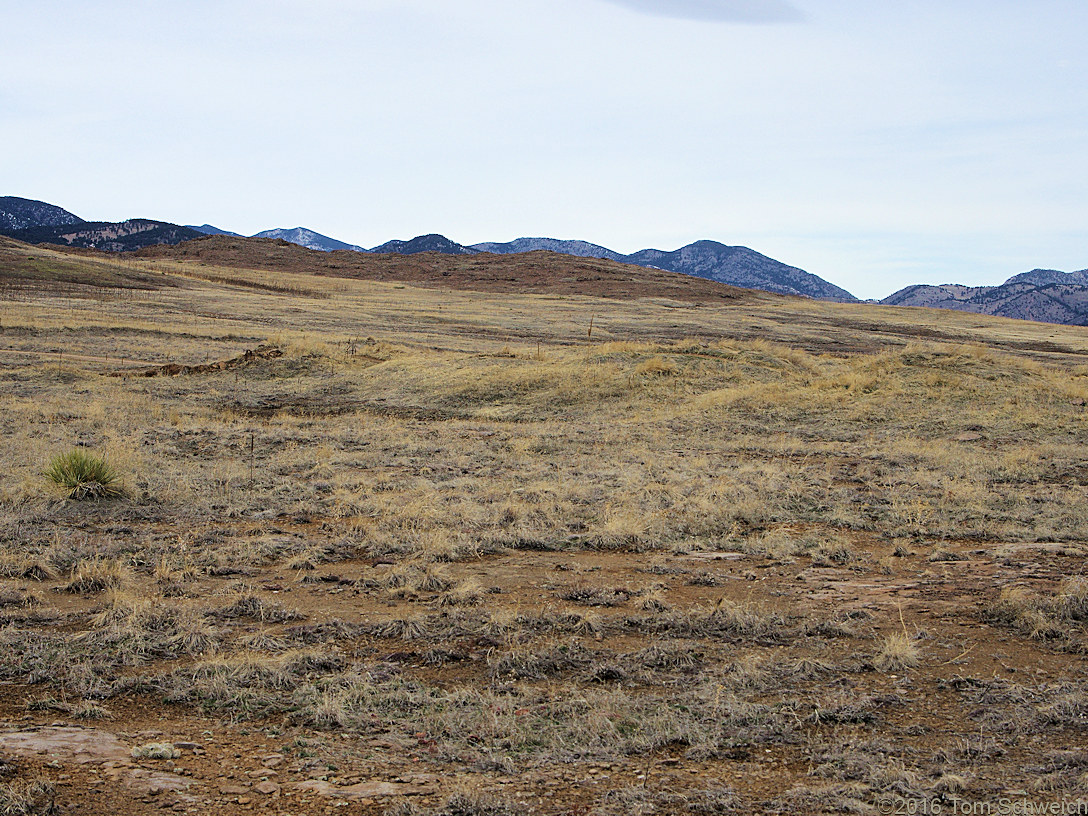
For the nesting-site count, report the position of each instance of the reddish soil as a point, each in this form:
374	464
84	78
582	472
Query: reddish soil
225	764
537	272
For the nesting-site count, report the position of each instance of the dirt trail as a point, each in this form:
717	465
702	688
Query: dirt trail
152	368
63	356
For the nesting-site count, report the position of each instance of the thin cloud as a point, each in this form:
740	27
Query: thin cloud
720	11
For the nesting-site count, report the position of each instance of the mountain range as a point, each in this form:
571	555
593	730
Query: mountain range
736	266
1045	295
38	222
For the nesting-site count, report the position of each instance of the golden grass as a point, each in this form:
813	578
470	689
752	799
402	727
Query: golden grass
310	539
790	436
898	651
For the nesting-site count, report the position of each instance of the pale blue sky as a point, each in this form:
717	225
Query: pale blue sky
874	144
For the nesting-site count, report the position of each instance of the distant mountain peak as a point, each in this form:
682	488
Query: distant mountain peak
25	213
432	242
1041	277
737	266
208	229
740	266
308	238
581	249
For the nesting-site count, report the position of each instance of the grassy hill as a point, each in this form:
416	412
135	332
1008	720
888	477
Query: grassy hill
590	538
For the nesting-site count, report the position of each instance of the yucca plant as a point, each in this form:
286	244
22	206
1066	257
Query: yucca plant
84	475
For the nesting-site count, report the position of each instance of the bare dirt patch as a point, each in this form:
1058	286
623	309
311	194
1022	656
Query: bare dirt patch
265	352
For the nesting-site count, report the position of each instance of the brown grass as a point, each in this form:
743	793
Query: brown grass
448	532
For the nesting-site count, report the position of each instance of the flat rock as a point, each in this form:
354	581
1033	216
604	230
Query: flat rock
365	790
91	746
142	780
80	745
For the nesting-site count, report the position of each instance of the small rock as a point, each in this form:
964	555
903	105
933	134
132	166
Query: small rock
272	760
267	788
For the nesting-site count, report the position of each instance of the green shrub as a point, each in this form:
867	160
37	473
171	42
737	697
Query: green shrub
84	475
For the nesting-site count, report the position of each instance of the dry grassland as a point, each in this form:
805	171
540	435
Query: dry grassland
454	552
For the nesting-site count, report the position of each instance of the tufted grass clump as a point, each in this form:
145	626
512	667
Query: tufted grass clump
27	796
84	475
897	653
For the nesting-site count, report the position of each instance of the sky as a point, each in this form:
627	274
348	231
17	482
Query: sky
874	144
